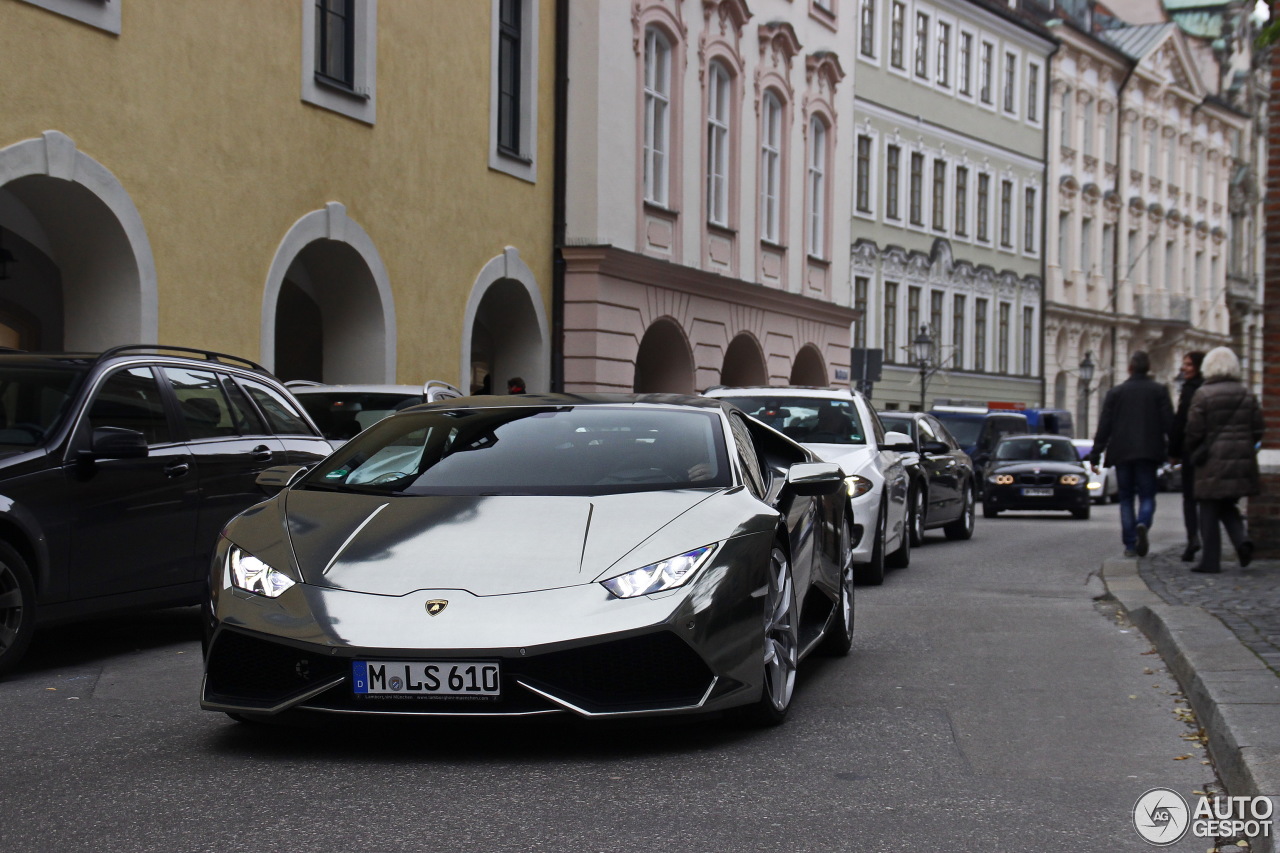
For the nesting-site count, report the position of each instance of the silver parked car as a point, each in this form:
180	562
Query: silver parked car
841	427
343	411
603	556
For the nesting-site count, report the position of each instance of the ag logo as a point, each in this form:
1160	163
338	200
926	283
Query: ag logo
435	605
1161	817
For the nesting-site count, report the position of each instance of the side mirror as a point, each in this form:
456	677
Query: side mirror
899	441
814	478
275	479
935	447
117	443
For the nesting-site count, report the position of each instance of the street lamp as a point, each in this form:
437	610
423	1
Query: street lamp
923	346
1086	370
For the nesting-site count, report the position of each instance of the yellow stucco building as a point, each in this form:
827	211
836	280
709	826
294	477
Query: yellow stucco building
342	190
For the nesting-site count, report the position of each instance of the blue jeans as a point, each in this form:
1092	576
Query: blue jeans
1136	479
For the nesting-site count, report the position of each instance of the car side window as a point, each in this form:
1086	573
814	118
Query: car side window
131	399
926	430
205	410
944	435
877	428
248	421
281	414
747	456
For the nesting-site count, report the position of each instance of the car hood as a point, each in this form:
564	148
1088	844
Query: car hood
490	545
1015	465
851	458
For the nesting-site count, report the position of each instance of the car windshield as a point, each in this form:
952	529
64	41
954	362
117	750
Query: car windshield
33	402
1036	449
1083	448
341	415
965	429
519	450
812	420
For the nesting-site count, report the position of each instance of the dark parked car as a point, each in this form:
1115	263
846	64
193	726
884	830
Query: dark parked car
1036	472
943	485
977	431
118	470
593	555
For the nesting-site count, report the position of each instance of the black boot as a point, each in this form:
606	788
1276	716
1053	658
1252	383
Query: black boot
1189	555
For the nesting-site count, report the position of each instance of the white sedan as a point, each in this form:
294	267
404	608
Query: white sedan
841	427
1102	478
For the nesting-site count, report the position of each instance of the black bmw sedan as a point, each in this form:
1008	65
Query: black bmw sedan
1036	472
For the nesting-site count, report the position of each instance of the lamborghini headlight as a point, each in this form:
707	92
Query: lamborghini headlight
662	575
857	485
252	575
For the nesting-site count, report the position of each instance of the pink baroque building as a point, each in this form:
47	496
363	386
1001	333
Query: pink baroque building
707	195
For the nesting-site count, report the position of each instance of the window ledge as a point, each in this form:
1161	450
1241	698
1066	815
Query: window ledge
341	88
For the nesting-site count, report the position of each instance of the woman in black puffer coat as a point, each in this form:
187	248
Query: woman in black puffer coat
1224	427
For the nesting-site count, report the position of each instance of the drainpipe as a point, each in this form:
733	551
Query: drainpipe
558	225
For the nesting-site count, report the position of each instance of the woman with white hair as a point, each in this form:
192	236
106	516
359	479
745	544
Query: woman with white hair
1224	426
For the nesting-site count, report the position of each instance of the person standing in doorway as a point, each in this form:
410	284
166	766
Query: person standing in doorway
1224	426
1191	382
1133	431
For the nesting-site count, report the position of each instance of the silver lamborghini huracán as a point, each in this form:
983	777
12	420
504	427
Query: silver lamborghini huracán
598	555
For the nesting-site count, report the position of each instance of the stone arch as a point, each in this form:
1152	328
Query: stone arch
83	276
809	368
504	328
664	362
744	362
327	267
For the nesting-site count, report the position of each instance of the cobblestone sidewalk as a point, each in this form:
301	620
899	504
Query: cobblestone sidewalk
1246	600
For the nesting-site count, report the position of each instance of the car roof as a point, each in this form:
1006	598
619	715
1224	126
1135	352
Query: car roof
781	391
1035	436
506	401
300	390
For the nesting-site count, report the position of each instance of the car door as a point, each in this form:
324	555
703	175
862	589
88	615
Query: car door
229	443
942	469
133	521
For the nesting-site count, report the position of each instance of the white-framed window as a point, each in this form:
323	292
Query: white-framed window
1033	92
892	182
817	187
962	201
1086	120
958	328
513	88
1010	82
657	116
986	72
983	211
1006	214
1002	338
939	195
1109	135
1028	340
980	334
1068	118
943	59
867	28
891	321
964	64
339	56
921	46
1064	242
98	14
915	184
771	168
1029	220
719	88
897	35
862	176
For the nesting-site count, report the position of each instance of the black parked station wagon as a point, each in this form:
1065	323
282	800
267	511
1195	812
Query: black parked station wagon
118	470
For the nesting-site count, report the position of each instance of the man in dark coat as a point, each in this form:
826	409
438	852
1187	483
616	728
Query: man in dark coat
1225	424
1133	432
1191	382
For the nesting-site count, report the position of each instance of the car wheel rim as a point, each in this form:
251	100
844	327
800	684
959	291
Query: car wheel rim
917	513
970	510
846	583
10	607
781	643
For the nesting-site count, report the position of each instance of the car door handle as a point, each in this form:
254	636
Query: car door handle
176	469
261	453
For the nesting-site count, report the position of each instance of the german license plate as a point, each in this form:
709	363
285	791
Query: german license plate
426	678
1037	493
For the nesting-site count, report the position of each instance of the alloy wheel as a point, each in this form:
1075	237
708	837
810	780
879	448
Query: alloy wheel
781	634
917	517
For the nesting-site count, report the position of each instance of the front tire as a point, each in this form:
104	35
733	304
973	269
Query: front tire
901	558
918	504
962	527
989	511
781	642
1082	514
839	638
17	607
872	573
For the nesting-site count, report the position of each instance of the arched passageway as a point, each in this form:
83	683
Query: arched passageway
809	368
664	363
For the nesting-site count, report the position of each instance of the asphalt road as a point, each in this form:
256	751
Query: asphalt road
990	704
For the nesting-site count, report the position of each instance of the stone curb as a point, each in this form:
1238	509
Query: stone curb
1235	696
